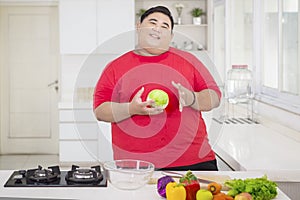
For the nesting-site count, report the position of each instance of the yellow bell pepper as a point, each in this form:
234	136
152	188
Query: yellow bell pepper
175	191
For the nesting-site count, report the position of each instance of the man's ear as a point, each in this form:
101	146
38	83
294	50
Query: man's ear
172	34
138	25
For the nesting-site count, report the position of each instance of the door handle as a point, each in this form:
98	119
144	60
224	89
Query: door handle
53	83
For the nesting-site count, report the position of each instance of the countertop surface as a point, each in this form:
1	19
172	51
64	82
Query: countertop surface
250	147
148	192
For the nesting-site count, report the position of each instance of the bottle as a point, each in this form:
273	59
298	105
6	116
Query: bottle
239	87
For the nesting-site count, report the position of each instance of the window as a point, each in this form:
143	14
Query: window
290	63
241	38
270	44
279	75
263	34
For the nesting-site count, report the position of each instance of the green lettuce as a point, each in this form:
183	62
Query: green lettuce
259	188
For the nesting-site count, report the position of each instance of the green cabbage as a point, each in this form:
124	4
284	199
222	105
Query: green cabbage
160	97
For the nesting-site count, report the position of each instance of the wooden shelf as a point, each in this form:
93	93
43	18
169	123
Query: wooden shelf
190	25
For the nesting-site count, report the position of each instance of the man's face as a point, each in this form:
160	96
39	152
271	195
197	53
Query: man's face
155	33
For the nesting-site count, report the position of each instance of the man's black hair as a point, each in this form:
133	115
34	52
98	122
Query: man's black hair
160	9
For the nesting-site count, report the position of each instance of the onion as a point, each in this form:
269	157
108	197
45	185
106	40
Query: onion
162	183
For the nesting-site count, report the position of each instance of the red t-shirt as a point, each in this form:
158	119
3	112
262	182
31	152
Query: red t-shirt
169	139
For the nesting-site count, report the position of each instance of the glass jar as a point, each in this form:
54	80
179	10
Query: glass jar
239	87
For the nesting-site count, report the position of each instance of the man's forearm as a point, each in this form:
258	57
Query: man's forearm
206	100
112	112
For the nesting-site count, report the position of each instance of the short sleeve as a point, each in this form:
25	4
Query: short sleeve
104	87
202	77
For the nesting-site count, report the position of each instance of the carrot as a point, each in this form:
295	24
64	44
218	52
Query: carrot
222	196
214	187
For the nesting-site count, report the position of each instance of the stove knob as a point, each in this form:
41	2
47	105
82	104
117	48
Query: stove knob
22	172
18	178
18	181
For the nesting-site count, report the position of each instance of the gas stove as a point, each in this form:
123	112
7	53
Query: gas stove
54	177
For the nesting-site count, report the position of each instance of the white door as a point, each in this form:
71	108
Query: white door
29	60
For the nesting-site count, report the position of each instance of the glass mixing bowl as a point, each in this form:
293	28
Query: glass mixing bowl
128	174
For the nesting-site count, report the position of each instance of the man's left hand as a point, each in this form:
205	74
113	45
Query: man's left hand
186	97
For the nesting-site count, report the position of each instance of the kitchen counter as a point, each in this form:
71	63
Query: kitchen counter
268	148
257	147
146	193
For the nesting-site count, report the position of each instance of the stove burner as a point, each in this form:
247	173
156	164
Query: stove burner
41	175
52	177
86	176
83	174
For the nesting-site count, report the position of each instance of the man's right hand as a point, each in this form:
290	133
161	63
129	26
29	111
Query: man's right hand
116	112
138	107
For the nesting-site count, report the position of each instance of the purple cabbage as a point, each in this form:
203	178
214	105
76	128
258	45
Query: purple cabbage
162	183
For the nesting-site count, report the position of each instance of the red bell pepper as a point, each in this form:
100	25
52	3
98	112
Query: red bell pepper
191	185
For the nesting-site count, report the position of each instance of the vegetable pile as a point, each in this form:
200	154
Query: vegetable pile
259	188
188	188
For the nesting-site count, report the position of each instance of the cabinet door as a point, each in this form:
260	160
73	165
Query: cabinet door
78	32
78	131
77	115
116	25
78	151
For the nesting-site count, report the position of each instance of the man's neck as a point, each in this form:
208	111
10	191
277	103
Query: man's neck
149	51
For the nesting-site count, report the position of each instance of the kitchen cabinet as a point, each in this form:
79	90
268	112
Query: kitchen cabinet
115	20
82	138
78	32
78	139
85	24
76	114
